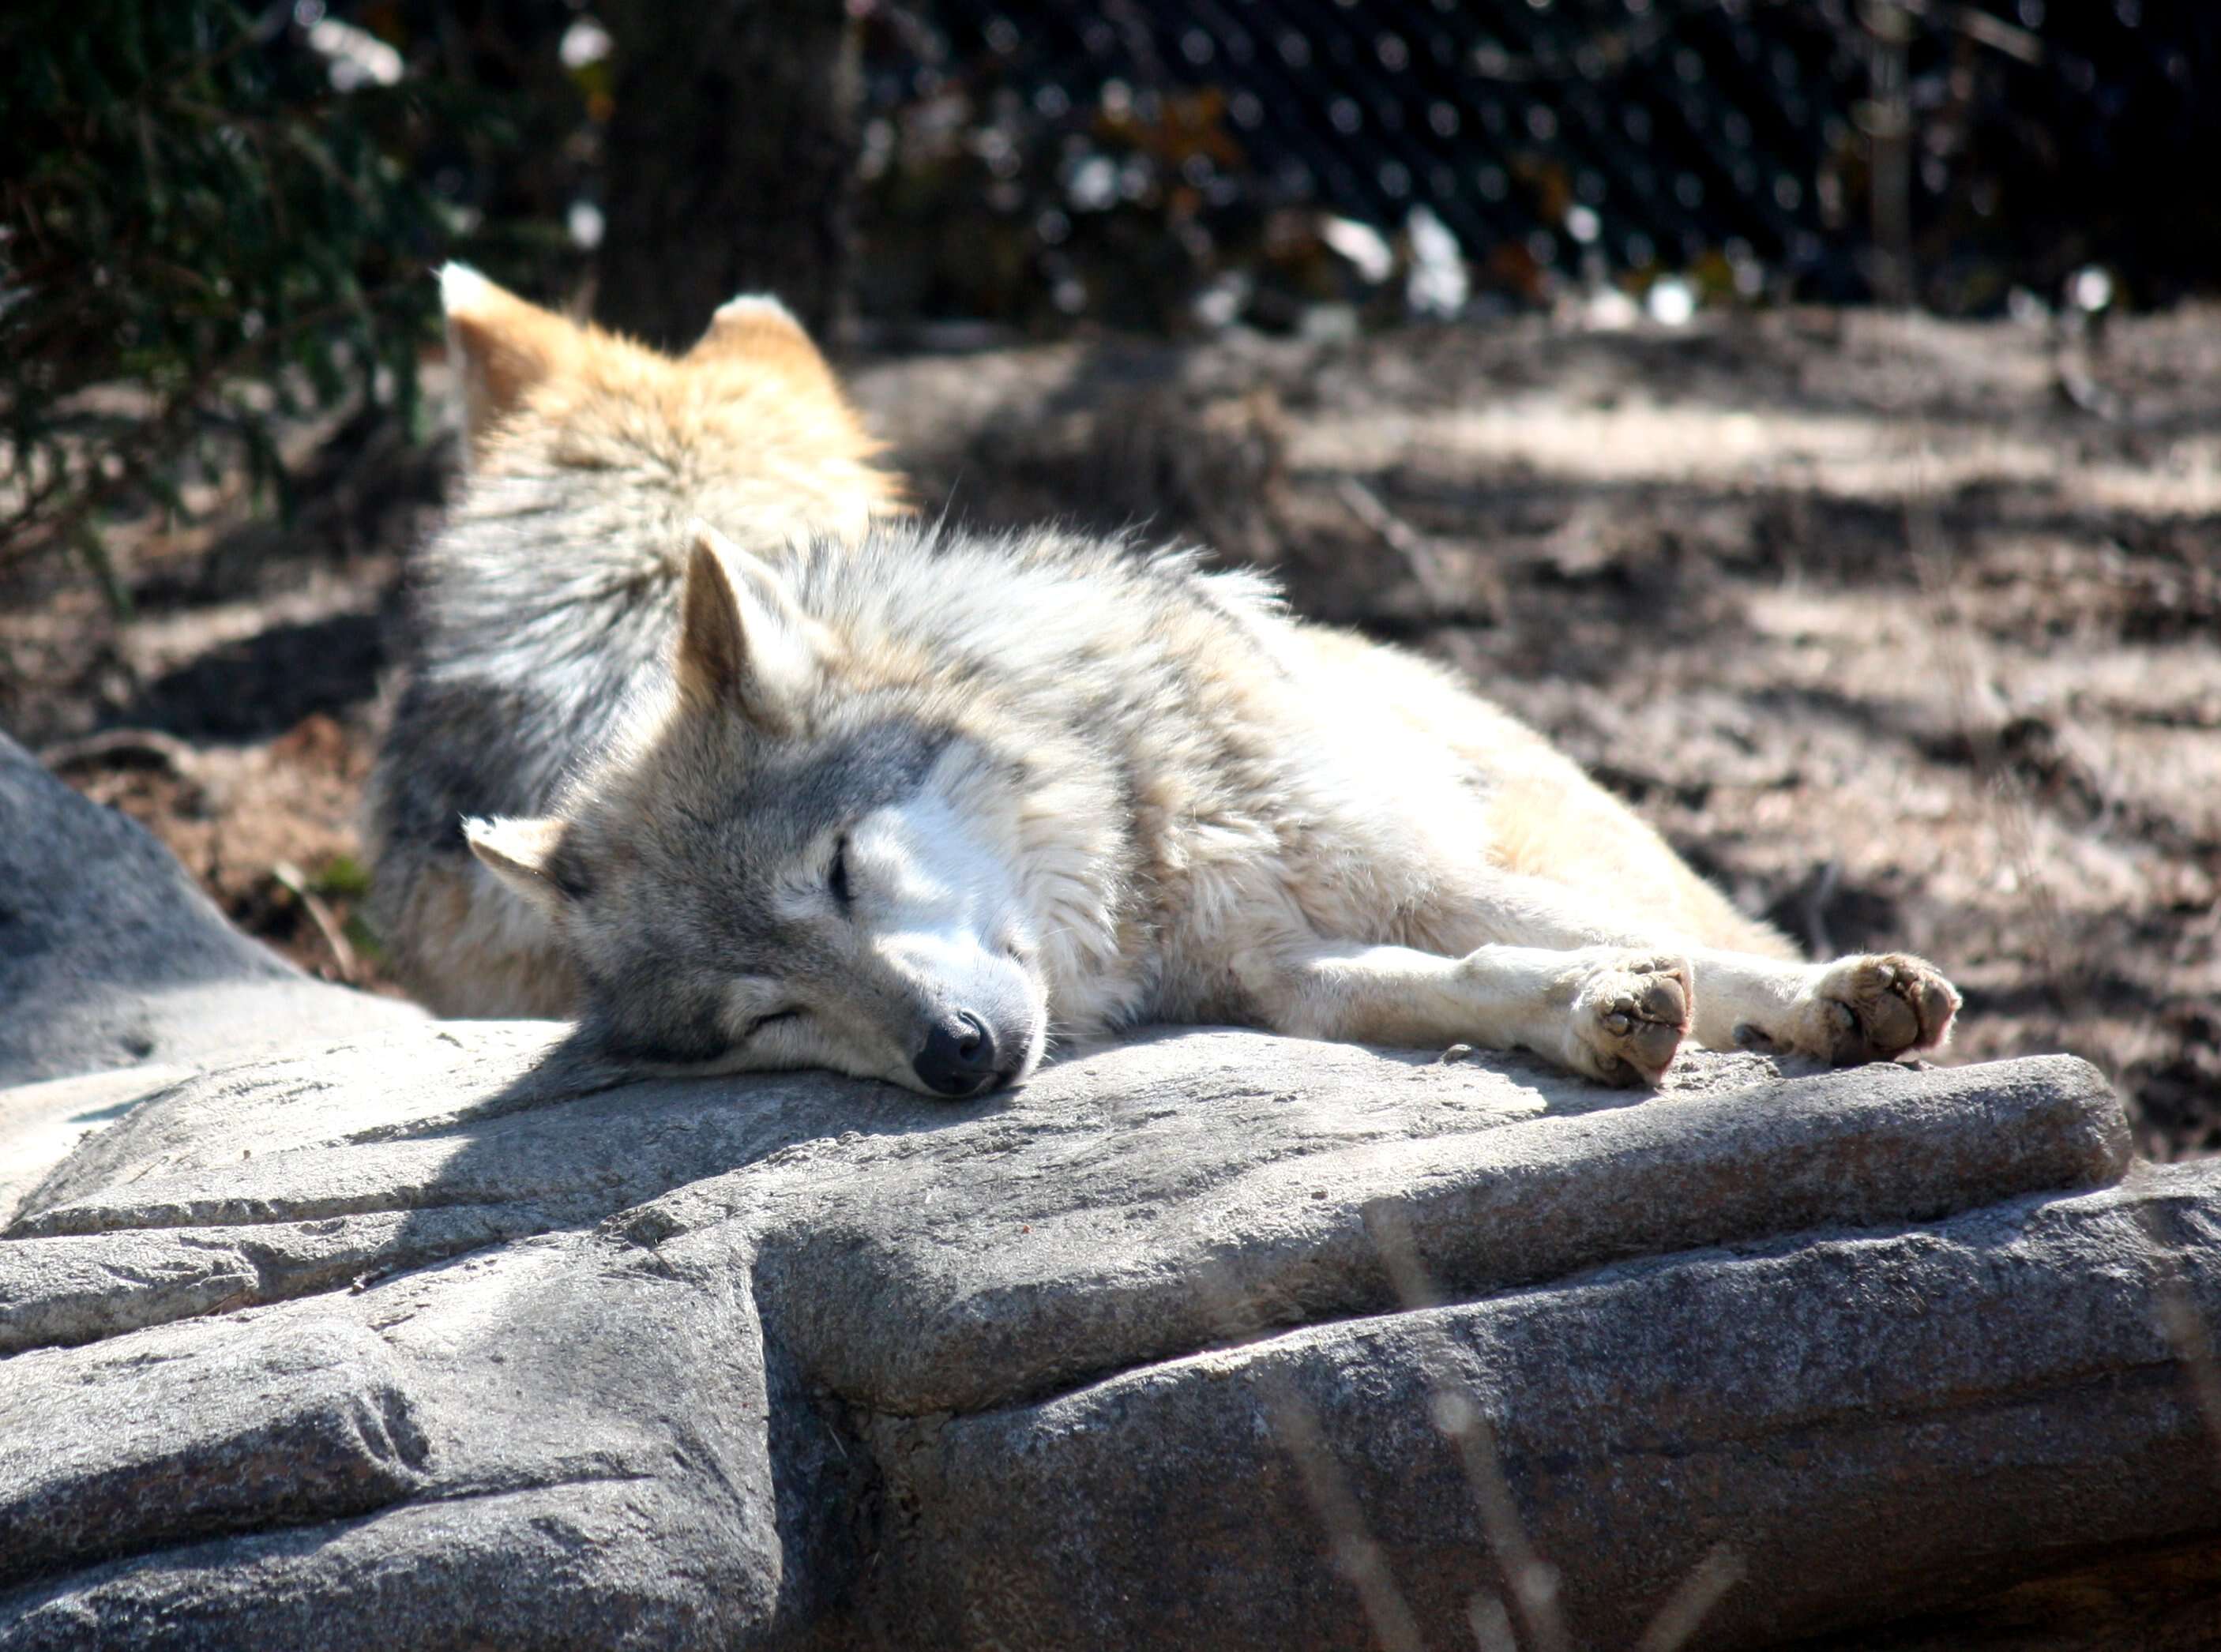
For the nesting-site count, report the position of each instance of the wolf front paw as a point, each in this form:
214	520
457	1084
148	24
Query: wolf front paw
1873	1010
1631	1011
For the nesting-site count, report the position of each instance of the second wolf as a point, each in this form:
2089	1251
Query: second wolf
914	805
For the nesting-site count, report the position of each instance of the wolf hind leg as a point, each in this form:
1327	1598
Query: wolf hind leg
1610	1013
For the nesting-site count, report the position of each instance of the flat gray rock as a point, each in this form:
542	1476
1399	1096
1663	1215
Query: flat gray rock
800	1360
391	1332
1134	1202
1839	1421
111	958
573	1452
231	1428
41	1124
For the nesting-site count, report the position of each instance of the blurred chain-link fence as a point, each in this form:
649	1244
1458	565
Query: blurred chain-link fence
203	196
1158	162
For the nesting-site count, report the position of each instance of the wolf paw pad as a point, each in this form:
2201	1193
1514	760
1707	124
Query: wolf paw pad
1629	1016
1875	1008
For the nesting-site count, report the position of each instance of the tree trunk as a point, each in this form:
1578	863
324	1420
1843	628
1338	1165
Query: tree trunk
732	153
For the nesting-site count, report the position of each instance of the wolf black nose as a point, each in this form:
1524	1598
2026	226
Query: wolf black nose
959	1057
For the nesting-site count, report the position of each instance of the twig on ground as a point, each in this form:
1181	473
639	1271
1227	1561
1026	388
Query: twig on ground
1817	938
289	877
1492	1625
1356	1554
136	747
1695	1595
1421	555
2078	389
1531	1580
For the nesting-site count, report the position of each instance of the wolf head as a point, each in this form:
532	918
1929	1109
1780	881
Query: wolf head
794	862
749	426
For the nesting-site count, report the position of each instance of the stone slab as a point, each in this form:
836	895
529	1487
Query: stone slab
1133	1204
110	956
584	1444
119	1449
1900	1415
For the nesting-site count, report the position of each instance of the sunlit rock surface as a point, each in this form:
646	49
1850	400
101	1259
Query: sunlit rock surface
411	1334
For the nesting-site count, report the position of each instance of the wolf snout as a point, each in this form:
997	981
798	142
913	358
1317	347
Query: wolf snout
960	1057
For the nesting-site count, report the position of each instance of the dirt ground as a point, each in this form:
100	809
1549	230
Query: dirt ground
1908	633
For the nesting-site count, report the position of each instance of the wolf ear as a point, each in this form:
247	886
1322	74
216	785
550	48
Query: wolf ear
501	347
757	334
522	853
755	323
743	641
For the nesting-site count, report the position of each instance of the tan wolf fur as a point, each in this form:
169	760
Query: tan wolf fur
915	806
548	589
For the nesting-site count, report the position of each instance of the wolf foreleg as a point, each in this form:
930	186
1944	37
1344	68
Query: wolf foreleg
1860	1008
1848	1011
1608	1012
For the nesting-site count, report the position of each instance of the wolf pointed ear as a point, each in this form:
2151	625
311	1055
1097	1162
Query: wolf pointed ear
500	345
522	853
743	641
756	325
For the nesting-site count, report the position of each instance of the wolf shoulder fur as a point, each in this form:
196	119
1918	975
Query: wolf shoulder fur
916	804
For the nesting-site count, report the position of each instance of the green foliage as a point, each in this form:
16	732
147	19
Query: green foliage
200	238
342	877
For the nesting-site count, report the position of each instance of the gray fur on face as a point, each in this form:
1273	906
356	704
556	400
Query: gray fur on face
667	920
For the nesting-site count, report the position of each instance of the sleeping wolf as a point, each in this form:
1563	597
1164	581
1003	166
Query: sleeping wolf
915	806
